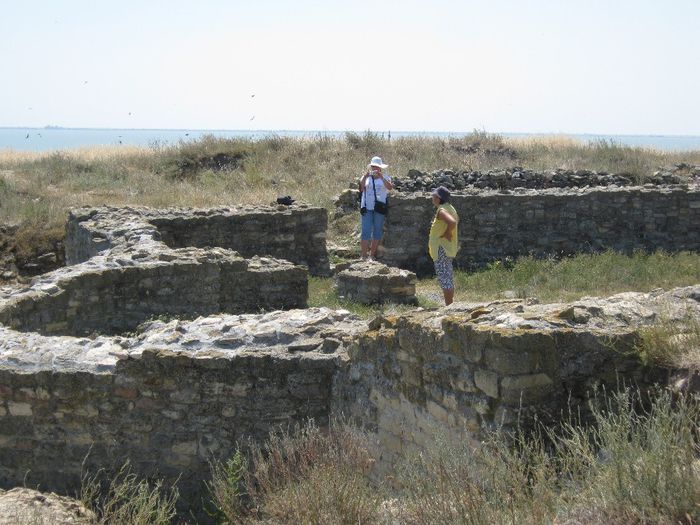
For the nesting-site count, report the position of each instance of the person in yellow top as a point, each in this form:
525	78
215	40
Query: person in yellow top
444	241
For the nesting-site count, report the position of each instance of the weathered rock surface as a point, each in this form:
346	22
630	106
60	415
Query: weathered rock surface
371	282
167	398
495	225
114	292
460	371
22	506
295	233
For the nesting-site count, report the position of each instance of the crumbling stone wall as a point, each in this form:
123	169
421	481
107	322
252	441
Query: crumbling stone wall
294	233
459	372
495	225
112	296
168	399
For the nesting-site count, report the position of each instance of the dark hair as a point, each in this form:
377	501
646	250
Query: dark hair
442	201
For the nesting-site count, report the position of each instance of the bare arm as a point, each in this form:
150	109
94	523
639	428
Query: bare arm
387	183
451	223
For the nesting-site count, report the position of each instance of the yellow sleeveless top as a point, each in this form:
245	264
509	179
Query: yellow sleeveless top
437	228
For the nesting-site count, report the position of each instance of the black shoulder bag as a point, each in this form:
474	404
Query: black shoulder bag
379	206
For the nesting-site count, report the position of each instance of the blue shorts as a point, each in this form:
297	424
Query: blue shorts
372	225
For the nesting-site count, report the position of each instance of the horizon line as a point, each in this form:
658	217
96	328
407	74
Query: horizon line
52	127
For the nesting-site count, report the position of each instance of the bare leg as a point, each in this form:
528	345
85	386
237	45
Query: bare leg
364	246
449	294
373	251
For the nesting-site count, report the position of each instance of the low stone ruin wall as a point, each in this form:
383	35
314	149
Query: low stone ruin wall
173	395
459	372
496	225
518	177
169	399
110	295
295	233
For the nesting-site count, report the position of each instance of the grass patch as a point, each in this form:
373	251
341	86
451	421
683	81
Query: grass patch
636	463
306	475
554	280
549	280
671	343
631	466
126	500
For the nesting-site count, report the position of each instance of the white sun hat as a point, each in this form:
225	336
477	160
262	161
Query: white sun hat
377	161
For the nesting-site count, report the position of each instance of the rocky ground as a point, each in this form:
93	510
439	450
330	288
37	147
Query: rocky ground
23	506
517	177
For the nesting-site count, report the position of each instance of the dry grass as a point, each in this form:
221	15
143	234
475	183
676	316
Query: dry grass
127	500
672	343
306	476
38	189
636	463
632	466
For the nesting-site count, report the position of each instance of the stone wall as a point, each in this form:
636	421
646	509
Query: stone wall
168	399
112	295
495	225
294	233
458	372
518	177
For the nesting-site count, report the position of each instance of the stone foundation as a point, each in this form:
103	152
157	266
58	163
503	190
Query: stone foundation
513	223
168	399
113	294
294	233
461	371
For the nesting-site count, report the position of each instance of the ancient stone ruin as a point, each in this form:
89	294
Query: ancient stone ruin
461	371
294	233
162	345
371	282
496	224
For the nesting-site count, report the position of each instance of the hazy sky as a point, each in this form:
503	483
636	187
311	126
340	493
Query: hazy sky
577	66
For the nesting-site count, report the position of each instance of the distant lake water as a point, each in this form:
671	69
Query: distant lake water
47	139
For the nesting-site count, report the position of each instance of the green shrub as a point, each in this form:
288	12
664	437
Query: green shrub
632	465
126	500
306	476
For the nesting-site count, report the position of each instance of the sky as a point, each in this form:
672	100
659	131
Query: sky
532	66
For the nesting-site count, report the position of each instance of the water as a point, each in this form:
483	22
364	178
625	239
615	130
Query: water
47	139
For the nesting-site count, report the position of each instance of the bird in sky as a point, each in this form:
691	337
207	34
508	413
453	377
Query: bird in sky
27	136
252	96
252	118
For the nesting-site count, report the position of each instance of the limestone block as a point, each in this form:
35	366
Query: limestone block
487	382
371	282
437	411
19	409
526	388
520	352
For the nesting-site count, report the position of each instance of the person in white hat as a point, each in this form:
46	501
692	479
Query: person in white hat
375	185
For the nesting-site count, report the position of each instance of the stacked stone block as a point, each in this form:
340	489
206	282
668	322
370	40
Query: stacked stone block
512	223
169	400
370	282
464	371
109	298
294	233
